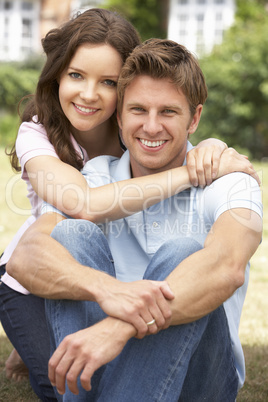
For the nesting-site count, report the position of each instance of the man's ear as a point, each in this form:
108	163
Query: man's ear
195	120
119	120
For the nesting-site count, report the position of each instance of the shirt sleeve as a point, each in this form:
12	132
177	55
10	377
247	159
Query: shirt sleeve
32	141
235	190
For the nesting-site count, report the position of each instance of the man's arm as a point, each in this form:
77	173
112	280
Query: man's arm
201	283
207	278
47	269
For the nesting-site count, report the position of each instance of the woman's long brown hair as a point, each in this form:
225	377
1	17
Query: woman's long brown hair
95	26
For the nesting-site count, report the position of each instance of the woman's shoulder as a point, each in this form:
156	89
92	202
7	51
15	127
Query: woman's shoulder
32	141
32	127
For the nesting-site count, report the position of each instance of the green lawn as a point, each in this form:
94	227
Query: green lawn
14	209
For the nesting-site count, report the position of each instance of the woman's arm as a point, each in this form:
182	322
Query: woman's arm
65	188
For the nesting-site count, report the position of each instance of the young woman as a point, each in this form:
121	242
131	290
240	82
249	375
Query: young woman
70	120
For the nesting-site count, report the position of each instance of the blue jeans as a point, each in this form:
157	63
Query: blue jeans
24	321
187	363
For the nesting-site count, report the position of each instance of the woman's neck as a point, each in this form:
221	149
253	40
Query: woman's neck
102	140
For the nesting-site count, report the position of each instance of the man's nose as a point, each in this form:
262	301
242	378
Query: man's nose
152	124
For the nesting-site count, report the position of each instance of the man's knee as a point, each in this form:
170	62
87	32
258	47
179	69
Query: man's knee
169	256
69	231
180	248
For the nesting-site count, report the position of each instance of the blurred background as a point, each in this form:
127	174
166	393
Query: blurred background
230	39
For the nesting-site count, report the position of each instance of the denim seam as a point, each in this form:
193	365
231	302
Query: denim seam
168	381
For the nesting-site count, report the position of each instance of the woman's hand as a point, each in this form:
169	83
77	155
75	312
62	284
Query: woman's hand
203	161
231	161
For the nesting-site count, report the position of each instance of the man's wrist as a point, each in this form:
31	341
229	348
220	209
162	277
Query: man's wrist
122	328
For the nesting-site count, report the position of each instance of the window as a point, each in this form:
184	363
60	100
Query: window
182	33
26	28
26	6
183	17
201	1
200	17
8	5
6	27
218	17
182	2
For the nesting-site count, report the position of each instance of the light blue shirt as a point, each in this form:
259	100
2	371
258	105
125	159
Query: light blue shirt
191	213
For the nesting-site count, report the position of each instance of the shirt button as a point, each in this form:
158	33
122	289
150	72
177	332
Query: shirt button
155	224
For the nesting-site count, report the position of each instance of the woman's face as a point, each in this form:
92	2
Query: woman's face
87	88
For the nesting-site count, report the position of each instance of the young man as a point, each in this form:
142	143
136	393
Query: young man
196	246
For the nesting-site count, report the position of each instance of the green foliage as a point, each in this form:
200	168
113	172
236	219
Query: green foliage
237	79
148	16
15	84
9	124
248	10
17	80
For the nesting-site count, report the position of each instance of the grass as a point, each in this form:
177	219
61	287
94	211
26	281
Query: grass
14	209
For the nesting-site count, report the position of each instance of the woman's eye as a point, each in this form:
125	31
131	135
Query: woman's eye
75	75
110	83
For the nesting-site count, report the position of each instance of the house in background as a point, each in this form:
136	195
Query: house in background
19	28
24	22
197	24
200	24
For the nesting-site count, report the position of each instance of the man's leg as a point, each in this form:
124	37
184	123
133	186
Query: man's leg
23	319
212	375
163	367
87	244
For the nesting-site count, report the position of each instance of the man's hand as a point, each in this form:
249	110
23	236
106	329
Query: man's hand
203	161
87	350
137	303
231	161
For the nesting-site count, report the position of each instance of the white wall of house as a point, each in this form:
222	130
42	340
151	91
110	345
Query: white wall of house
19	29
200	24
197	24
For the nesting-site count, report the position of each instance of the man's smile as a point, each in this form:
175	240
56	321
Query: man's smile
152	144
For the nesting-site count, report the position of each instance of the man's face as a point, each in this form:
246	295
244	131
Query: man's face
155	123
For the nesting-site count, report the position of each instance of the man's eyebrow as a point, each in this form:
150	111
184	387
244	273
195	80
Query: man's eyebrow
173	107
163	107
133	103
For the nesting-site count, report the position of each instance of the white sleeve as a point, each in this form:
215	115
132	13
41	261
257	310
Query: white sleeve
235	190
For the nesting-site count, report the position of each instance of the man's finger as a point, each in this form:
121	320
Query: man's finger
53	364
72	376
86	376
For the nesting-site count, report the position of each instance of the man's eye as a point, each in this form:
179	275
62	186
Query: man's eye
137	109
169	111
75	75
110	83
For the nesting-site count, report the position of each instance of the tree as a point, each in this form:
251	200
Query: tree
237	79
148	16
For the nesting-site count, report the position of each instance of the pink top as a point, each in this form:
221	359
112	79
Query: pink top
32	141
